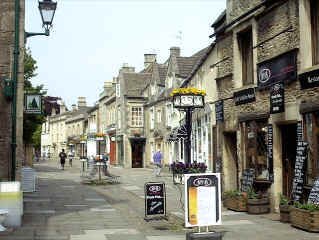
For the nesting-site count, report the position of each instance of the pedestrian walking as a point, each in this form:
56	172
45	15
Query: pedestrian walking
70	156
157	159
62	156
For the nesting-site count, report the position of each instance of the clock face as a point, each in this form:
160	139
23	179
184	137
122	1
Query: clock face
198	101
186	100
177	101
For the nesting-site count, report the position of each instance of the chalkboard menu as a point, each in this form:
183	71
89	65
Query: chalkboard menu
155	199
247	179
314	194
301	158
270	152
219	111
299	131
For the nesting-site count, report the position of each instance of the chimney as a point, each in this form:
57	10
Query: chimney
73	107
175	51
62	107
81	102
127	69
107	88
149	59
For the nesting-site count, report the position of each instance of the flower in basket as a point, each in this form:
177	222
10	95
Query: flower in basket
184	91
182	168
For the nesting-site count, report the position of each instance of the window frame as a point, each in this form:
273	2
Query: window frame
137	116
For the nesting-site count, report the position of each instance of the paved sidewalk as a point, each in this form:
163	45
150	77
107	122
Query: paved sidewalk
63	208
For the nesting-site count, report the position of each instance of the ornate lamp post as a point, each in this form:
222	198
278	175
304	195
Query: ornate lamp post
47	10
187	99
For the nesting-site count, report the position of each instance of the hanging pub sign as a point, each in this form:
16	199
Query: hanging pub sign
277	98
155	199
301	159
33	104
219	111
314	193
309	79
270	152
202	199
282	68
244	96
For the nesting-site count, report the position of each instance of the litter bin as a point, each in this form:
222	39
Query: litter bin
204	236
11	199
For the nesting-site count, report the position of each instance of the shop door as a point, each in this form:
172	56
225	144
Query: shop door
231	151
112	152
289	142
137	155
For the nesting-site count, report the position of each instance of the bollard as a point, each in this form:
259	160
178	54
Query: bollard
204	236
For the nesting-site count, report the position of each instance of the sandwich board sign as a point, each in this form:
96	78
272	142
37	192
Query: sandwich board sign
33	104
155	200
202	199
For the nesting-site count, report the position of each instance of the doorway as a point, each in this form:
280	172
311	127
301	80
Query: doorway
289	144
230	144
137	154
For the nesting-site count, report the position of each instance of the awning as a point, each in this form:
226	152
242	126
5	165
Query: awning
177	134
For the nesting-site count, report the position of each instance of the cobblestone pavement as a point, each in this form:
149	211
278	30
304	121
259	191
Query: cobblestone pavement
62	208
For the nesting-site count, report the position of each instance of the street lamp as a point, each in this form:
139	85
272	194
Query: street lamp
187	99
47	10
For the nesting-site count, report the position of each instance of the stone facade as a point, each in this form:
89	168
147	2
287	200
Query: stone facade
7	20
275	28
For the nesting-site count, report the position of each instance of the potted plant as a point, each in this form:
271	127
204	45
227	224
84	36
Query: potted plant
284	209
235	200
305	216
257	203
179	169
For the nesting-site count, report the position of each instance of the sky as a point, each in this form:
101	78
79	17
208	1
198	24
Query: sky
91	39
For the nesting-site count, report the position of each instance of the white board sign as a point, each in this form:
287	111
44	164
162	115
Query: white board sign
202	199
33	104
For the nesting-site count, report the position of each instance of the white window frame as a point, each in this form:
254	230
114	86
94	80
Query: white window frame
137	116
152	118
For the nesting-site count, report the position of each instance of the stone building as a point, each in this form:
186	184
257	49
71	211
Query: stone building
130	136
263	52
7	33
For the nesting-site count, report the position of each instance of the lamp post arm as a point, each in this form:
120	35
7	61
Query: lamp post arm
31	34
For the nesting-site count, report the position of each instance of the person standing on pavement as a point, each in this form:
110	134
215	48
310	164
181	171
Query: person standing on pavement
70	156
62	156
157	159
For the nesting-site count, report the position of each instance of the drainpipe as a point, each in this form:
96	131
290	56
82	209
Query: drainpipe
15	70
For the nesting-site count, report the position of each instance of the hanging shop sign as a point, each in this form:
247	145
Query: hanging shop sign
202	199
279	69
219	111
270	152
309	79
244	96
33	104
314	193
155	199
277	98
247	179
301	159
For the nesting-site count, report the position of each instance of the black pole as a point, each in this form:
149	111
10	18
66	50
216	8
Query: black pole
188	140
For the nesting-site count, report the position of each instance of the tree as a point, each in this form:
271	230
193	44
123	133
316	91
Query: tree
31	123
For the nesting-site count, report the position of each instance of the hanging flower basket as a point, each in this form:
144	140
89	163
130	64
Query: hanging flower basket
187	91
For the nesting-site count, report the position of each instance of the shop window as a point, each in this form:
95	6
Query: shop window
256	147
312	137
245	42
314	11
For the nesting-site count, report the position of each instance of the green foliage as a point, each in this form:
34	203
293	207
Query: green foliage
31	123
251	194
307	206
284	200
233	194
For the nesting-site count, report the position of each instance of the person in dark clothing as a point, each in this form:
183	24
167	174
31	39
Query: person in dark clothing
62	156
